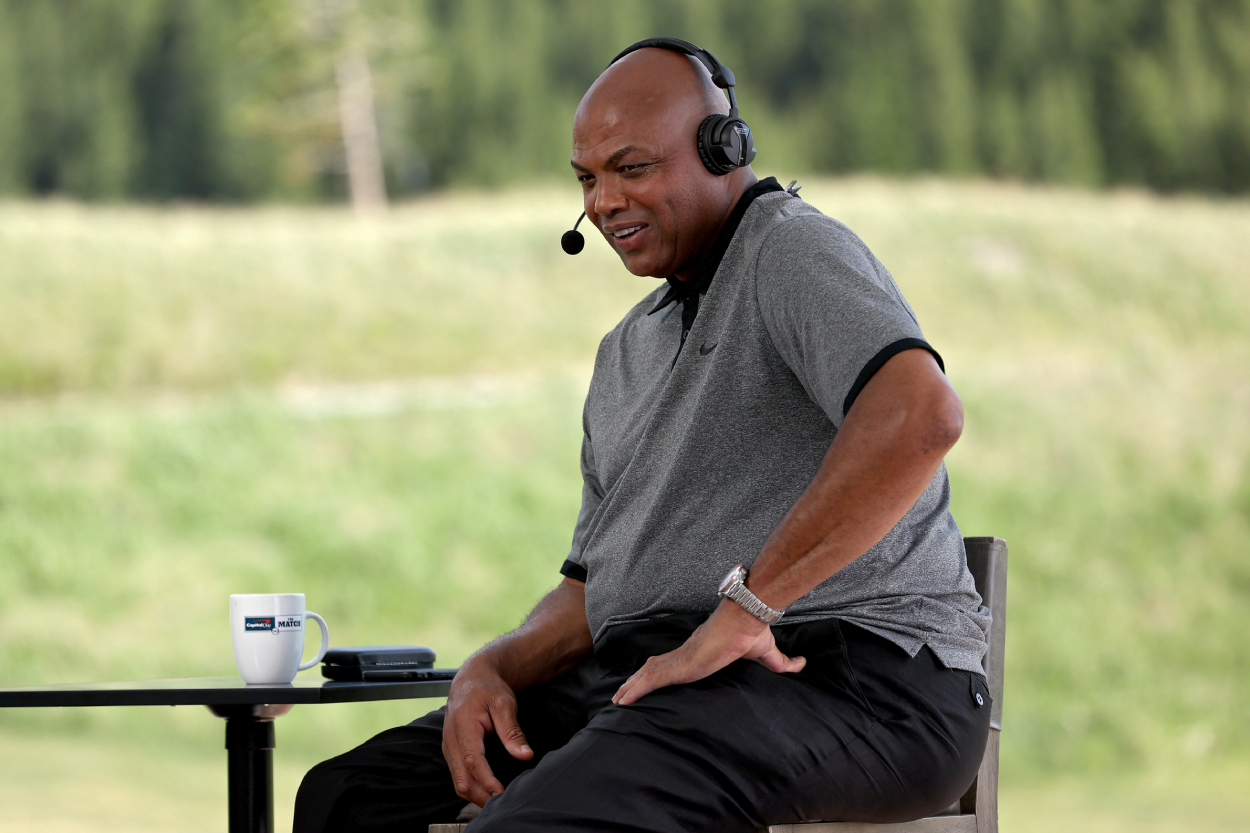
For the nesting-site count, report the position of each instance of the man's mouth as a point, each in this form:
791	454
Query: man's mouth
626	233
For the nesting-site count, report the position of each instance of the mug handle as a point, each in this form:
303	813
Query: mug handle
325	641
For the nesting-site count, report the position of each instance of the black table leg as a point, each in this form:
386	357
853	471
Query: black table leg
249	749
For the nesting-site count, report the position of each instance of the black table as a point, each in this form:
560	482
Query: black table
249	711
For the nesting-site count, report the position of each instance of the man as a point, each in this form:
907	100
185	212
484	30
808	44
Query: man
791	419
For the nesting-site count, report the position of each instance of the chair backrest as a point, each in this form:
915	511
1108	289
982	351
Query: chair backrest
987	561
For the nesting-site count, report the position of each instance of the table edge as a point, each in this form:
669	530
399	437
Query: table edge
82	696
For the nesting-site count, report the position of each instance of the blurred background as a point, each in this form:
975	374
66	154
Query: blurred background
282	309
243	100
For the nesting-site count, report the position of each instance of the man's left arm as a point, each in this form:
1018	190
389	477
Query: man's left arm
886	452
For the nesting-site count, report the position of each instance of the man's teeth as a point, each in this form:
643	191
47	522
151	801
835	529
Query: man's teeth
625	232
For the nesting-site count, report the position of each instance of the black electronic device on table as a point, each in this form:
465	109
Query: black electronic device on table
376	663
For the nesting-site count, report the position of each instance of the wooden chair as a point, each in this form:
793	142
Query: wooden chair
977	810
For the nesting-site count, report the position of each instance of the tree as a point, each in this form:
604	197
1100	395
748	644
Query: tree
314	91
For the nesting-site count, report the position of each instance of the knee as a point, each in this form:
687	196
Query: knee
320	779
316	797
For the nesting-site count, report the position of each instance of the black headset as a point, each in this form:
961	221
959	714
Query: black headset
724	141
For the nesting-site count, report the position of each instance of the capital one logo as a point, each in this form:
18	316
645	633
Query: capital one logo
273	624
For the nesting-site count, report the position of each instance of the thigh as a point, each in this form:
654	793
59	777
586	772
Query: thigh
399	781
733	752
746	748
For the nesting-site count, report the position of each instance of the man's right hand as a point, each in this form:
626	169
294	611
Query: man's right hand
553	638
480	702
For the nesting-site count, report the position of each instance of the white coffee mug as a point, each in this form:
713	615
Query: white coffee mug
268	634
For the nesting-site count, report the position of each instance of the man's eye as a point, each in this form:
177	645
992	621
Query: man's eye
633	170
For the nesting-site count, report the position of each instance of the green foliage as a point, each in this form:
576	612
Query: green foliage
190	98
114	99
288	102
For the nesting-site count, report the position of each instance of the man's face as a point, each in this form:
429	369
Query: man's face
643	185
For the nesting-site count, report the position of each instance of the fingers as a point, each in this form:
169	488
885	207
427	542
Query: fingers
669	669
776	661
705	652
479	784
468	720
657	672
623	694
631	689
634	688
470	773
503	716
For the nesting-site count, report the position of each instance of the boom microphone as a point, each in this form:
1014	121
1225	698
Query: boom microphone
572	241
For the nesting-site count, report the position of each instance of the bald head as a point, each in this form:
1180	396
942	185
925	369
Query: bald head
634	151
653	83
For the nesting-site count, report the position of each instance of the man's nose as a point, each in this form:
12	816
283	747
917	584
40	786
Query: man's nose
608	198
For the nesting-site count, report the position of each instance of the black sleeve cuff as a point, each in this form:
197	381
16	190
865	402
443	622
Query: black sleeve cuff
876	362
573	570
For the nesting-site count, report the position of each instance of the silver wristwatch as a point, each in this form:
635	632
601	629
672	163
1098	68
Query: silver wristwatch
733	587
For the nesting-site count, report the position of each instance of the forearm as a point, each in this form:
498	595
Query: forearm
886	453
551	640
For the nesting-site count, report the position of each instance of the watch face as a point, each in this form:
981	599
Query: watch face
729	579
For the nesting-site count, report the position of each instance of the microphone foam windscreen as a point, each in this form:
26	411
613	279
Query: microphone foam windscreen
572	241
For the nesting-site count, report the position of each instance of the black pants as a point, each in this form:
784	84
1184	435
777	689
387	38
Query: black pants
863	733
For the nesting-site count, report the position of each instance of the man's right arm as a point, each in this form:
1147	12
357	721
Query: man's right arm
552	639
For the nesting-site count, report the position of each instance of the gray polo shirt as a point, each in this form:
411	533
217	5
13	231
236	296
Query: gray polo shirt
688	465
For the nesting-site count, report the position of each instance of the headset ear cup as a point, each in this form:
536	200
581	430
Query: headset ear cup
734	142
706	143
725	144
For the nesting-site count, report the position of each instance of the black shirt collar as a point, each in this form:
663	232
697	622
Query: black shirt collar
679	290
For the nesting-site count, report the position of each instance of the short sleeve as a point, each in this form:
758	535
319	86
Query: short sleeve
833	312
592	496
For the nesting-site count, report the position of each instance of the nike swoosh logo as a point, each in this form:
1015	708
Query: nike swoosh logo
704	349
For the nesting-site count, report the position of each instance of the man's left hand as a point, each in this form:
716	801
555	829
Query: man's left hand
729	634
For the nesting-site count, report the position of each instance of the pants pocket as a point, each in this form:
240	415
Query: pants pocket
850	671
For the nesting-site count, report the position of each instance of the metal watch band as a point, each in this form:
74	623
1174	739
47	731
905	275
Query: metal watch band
750	602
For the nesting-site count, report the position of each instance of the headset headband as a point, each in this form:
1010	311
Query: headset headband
722	76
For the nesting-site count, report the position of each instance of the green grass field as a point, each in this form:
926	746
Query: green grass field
384	414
